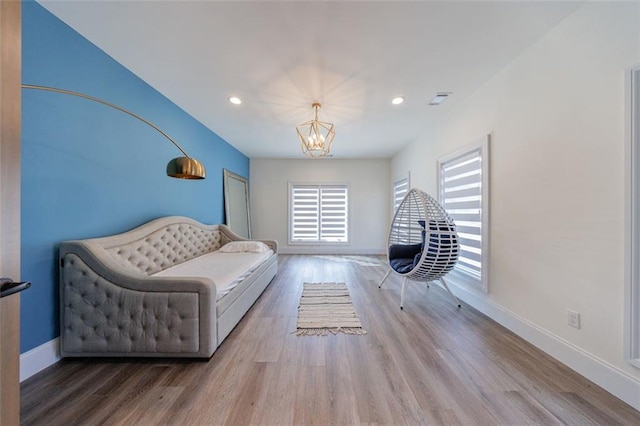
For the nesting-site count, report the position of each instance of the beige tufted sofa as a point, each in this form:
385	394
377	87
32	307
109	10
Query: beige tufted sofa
111	305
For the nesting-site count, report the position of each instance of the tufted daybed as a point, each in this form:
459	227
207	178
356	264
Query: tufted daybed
169	288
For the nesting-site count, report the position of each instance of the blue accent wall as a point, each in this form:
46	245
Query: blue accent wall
89	170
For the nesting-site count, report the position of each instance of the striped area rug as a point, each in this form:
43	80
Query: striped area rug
326	308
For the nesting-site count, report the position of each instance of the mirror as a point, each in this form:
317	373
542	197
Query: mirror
236	204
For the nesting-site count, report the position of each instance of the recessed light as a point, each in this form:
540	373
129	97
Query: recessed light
235	100
397	100
439	98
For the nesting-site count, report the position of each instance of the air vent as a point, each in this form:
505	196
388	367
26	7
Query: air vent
439	98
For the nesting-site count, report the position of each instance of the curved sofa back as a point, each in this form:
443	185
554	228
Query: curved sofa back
160	244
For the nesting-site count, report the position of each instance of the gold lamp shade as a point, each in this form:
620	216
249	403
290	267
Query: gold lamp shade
316	137
185	168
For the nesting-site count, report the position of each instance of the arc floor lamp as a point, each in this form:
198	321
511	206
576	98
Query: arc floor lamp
181	167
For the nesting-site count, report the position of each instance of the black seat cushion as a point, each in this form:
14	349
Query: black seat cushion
402	265
404	251
403	257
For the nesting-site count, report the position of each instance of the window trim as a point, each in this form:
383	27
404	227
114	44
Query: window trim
481	144
405	176
632	221
290	215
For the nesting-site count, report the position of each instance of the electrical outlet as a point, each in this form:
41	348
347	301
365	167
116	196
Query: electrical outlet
573	318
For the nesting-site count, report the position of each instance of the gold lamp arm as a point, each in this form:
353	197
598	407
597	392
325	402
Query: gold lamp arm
181	167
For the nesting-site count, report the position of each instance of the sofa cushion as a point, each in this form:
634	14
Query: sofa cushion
244	246
226	270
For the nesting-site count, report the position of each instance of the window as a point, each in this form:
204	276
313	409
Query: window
632	287
318	213
400	189
463	179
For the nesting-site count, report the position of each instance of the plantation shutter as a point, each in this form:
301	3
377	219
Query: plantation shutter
333	213
305	220
461	196
400	189
319	213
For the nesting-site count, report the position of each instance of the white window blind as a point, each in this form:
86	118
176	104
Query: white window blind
319	213
400	189
464	195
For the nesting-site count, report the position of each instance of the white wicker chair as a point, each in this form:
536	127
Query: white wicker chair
423	243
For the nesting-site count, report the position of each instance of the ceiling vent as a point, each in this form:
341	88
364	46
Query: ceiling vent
439	98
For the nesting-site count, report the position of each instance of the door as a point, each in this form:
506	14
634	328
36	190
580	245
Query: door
10	46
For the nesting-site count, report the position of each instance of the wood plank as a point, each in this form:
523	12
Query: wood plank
431	363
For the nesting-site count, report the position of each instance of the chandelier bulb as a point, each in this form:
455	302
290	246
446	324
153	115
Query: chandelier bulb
316	137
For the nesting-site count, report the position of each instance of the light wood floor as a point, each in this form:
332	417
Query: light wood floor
429	364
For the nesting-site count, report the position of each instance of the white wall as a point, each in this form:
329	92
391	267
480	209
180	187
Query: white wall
557	119
369	200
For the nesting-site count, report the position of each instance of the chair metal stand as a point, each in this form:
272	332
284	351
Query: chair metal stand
385	277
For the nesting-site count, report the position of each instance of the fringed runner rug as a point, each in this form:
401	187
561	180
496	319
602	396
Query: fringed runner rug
326	308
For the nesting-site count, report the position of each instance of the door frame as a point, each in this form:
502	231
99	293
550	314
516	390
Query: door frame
10	69
632	218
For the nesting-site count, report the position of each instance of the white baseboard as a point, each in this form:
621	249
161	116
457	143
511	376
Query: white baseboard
39	358
605	375
330	250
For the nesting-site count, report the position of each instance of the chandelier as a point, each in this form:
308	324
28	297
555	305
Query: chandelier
316	137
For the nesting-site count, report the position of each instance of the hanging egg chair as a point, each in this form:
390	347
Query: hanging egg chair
423	243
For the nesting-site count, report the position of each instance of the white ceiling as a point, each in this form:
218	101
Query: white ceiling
279	57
